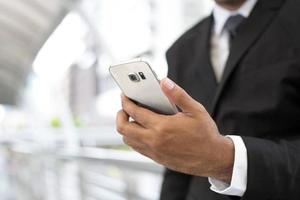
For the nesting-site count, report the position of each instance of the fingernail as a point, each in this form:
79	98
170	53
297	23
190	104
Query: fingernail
169	84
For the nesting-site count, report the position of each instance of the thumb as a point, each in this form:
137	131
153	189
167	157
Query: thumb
179	97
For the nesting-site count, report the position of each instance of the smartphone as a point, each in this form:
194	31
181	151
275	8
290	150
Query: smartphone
139	83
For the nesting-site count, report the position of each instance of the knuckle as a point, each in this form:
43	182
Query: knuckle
136	115
126	106
119	113
133	114
123	104
121	128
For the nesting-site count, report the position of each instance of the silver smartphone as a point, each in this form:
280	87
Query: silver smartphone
139	83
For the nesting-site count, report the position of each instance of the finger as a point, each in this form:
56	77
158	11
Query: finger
134	143
143	116
130	129
139	147
179	97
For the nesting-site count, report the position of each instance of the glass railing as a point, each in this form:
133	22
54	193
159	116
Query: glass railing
33	172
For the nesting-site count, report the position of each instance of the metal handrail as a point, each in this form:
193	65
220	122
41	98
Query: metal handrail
126	159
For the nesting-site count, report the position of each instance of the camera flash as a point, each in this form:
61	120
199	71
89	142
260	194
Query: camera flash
142	75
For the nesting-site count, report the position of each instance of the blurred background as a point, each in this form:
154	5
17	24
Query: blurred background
58	102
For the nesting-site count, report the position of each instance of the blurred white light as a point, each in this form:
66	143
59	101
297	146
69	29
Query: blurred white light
62	49
109	103
2	113
87	60
124	27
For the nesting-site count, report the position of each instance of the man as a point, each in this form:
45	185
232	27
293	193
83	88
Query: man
238	73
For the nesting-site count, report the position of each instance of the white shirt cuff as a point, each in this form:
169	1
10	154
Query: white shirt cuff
238	183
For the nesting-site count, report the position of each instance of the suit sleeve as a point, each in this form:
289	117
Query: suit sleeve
273	168
175	185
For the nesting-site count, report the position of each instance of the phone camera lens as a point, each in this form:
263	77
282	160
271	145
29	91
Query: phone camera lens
134	77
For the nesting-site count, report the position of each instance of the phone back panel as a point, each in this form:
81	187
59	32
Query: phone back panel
147	91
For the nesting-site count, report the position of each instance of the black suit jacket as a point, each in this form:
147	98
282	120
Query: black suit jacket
258	99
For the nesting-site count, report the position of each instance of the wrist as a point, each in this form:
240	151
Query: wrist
225	159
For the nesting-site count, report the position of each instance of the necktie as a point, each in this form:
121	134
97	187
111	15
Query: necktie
232	25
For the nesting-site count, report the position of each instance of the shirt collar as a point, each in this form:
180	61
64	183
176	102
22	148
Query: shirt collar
221	14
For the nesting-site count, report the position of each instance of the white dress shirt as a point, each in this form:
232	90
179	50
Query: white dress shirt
219	56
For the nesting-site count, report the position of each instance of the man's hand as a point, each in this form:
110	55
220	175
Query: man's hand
187	142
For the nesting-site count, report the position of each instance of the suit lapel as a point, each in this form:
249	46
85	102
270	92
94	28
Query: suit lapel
249	33
202	64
